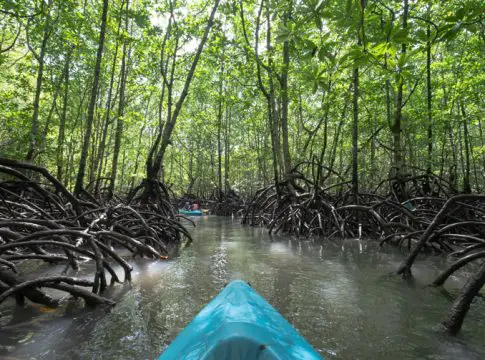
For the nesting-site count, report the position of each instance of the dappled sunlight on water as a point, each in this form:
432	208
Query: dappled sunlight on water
341	295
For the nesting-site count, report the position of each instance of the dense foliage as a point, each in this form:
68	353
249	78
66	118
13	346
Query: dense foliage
278	83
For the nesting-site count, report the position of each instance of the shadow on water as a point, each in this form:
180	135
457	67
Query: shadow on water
341	295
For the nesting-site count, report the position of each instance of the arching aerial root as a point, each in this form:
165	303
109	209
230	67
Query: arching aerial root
442	222
41	220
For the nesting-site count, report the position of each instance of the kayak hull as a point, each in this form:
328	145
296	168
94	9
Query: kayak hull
238	324
193	212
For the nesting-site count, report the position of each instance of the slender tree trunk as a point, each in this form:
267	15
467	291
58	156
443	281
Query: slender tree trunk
267	94
373	163
154	169
70	165
355	134
453	178
89	121
74	137
355	103
62	120
284	99
219	128
397	126
227	135
43	140
274	113
341	158
123	169
429	101
466	178
191	170
388	82
338	132
95	140
34	132
121	110
109	103
482	143
138	148
326	106
300	128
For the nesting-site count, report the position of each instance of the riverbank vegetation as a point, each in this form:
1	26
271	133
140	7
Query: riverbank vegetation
331	118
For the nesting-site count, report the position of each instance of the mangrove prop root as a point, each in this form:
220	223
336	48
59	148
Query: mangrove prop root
40	219
40	282
416	220
459	309
405	268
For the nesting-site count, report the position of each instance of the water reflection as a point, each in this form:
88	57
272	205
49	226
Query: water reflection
338	294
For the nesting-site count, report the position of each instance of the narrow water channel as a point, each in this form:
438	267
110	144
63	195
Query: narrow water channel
340	295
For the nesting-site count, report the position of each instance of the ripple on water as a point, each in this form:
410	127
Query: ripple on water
338	294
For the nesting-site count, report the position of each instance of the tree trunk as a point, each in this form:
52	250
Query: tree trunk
269	95
34	132
227	134
121	110
284	99
429	101
355	103
333	154
43	141
466	178
482	143
274	117
102	144
95	139
92	102
138	148
155	167
355	134
62	120
219	129
397	126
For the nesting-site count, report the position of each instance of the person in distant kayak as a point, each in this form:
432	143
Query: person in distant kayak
187	206
195	206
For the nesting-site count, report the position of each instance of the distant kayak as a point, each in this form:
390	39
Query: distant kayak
238	324
194	212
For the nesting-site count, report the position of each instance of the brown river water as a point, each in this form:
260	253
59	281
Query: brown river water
341	295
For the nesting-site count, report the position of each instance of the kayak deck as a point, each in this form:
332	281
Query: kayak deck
238	324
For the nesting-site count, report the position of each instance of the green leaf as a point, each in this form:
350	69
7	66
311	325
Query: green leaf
361	61
400	36
460	13
282	38
352	54
421	35
323	54
379	50
452	33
